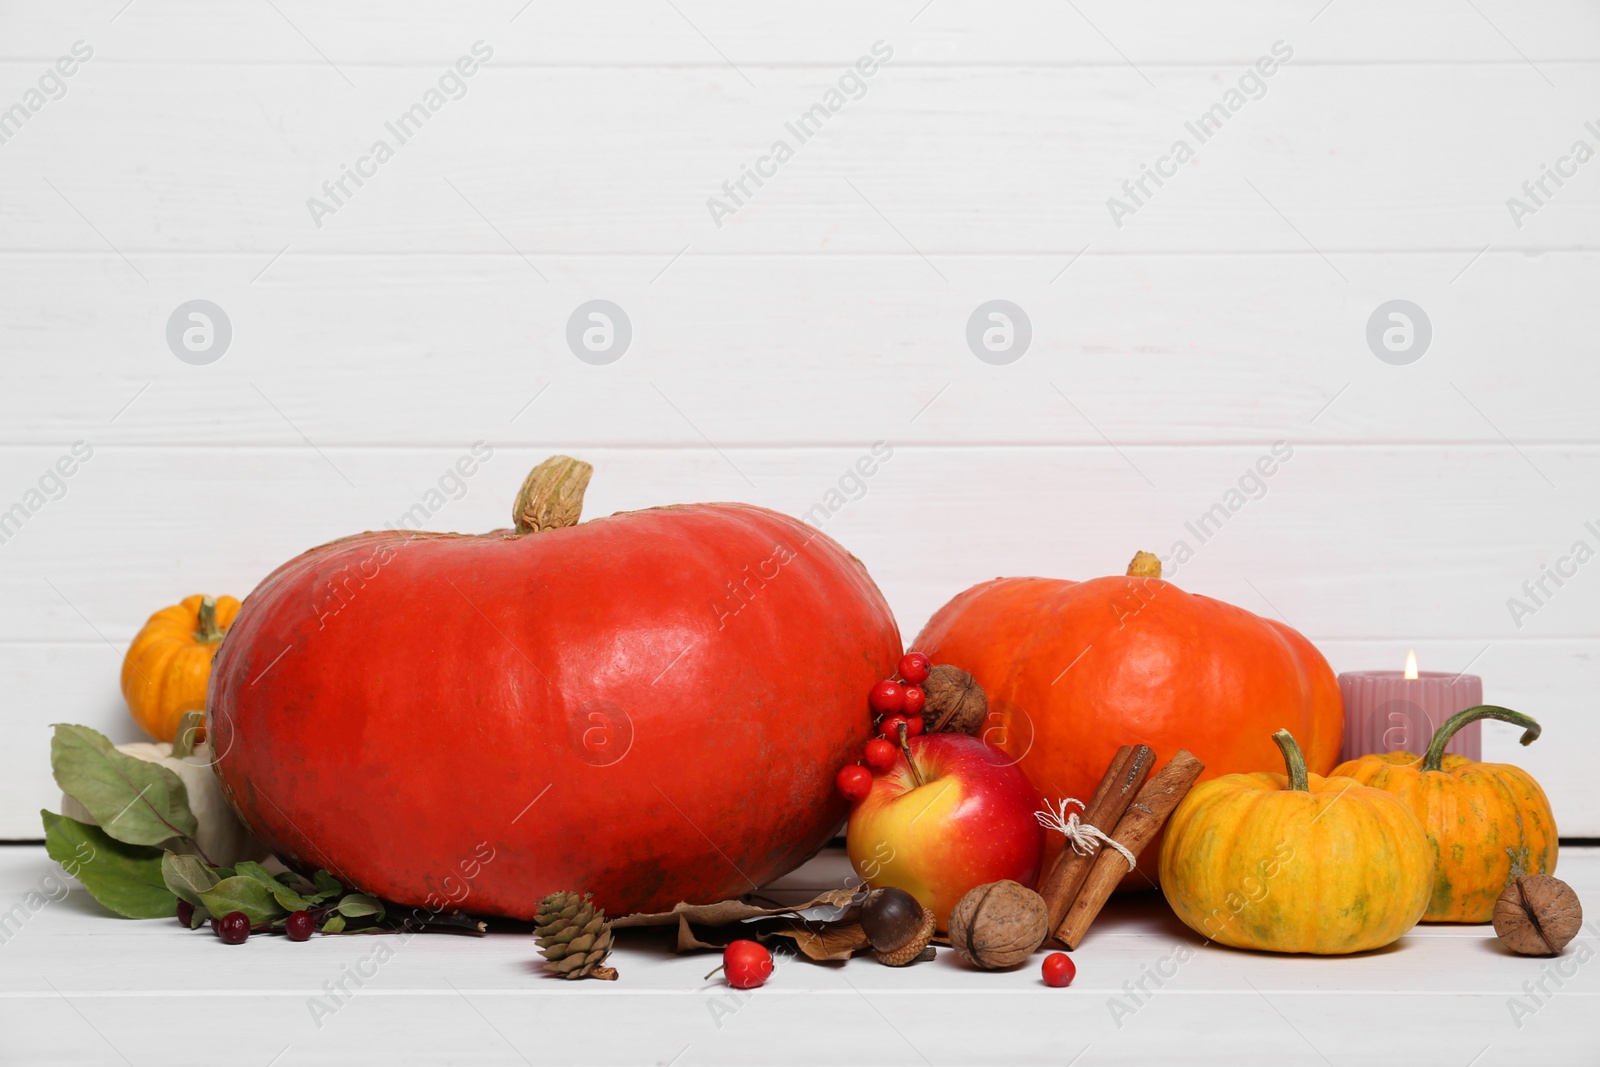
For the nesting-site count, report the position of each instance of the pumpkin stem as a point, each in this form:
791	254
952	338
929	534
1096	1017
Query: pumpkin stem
1435	755
1144	565
1294	760
191	732
208	632
551	496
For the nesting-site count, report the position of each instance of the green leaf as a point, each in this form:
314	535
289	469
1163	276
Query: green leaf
286	897
328	886
200	917
133	800
187	876
333	925
242	893
125	878
355	905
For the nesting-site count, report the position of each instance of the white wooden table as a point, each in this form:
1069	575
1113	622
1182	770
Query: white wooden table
80	987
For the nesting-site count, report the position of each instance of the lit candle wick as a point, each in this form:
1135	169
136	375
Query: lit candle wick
1411	665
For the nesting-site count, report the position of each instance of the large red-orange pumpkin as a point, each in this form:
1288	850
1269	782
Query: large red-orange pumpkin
1075	669
650	707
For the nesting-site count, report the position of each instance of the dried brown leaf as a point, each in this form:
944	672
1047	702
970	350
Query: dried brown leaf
687	941
824	941
728	911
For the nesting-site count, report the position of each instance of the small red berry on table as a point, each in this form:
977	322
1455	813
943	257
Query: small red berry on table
915	699
880	754
887	697
185	913
234	928
890	726
855	782
299	925
914	668
746	964
1059	970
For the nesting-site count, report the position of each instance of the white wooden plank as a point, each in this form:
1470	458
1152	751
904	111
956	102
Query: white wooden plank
1552	680
1382	547
1372	542
819	32
82	987
163	158
797	350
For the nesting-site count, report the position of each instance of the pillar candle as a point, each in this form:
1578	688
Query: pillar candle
1398	711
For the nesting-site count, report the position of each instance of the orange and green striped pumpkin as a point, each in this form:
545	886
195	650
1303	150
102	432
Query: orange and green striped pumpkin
1296	862
168	665
1486	823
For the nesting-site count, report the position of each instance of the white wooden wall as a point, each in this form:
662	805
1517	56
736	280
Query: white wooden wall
429	311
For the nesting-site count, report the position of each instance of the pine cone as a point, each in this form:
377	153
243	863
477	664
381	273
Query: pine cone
574	937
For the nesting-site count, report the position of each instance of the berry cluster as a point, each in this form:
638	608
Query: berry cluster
896	705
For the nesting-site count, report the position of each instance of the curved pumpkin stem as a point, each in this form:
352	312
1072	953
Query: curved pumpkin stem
551	496
1144	565
1294	760
207	632
191	732
1435	755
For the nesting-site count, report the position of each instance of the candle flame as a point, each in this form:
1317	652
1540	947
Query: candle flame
1411	664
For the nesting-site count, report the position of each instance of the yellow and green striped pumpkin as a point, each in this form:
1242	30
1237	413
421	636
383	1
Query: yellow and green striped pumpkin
1486	823
1296	862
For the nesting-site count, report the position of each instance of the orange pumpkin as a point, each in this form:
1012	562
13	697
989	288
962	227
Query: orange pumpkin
1295	863
168	665
1486	822
1075	669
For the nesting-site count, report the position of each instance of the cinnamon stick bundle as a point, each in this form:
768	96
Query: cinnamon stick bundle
1115	792
1142	820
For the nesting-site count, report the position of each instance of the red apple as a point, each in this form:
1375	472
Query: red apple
969	822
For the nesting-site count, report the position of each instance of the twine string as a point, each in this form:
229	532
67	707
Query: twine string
1085	839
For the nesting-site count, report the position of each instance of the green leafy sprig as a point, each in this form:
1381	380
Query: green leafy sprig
266	899
142	857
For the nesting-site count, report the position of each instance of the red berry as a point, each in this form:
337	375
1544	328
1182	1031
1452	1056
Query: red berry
913	726
855	782
887	697
299	926
890	727
914	668
233	928
747	964
880	754
185	913
1059	970
915	699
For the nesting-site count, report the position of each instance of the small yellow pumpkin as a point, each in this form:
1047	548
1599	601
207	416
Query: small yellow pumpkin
168	665
1296	863
1487	823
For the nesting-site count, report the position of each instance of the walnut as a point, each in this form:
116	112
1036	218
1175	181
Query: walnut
1537	915
956	702
999	925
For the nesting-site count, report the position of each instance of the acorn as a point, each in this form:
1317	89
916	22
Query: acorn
898	927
